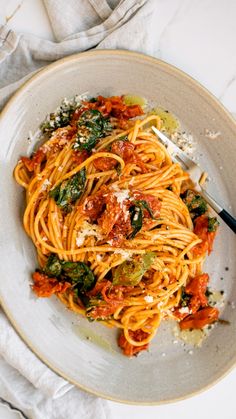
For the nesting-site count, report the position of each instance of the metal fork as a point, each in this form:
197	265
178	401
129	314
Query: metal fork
195	172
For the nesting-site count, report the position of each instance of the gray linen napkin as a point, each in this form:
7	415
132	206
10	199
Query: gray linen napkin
78	25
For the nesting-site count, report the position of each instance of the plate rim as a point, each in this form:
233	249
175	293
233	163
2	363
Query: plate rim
215	103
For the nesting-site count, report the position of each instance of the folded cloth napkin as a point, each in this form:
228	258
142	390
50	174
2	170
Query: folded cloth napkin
36	390
78	25
16	353
83	24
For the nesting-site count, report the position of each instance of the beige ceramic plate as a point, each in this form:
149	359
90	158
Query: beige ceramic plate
57	336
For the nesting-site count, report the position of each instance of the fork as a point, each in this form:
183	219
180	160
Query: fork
195	172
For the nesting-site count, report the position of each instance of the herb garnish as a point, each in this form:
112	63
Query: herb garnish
213	224
136	216
78	273
185	298
131	272
195	203
91	126
61	117
67	192
53	266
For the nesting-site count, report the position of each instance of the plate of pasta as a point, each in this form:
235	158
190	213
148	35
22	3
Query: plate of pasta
112	260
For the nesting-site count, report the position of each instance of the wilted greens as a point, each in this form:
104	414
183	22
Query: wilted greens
131	271
136	216
78	273
61	117
213	224
195	203
67	192
91	126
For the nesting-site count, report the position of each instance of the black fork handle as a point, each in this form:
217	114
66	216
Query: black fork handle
228	219
225	215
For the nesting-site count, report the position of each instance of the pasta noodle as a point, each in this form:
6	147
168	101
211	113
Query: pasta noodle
116	240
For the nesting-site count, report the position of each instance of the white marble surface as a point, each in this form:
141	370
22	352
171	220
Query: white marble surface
199	37
7	412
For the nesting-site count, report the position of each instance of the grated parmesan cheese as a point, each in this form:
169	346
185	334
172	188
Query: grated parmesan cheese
148	298
79	241
46	147
136	217
121	195
184	141
124	253
88	230
212	134
184	310
45	184
126	214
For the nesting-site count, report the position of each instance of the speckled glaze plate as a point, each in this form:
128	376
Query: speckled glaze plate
168	371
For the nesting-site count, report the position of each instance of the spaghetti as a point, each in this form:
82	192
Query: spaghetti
120	236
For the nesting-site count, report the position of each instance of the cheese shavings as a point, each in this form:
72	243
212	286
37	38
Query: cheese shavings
185	310
124	253
88	230
212	135
121	195
45	184
148	298
184	141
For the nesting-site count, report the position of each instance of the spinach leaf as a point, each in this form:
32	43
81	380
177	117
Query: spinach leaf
80	274
195	203
91	126
131	272
83	297
69	191
53	266
136	216
213	224
93	100
185	298
144	205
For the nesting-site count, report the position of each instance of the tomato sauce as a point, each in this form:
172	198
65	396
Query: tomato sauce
44	286
200	319
207	237
128	348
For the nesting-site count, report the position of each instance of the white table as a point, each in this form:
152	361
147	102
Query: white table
201	40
